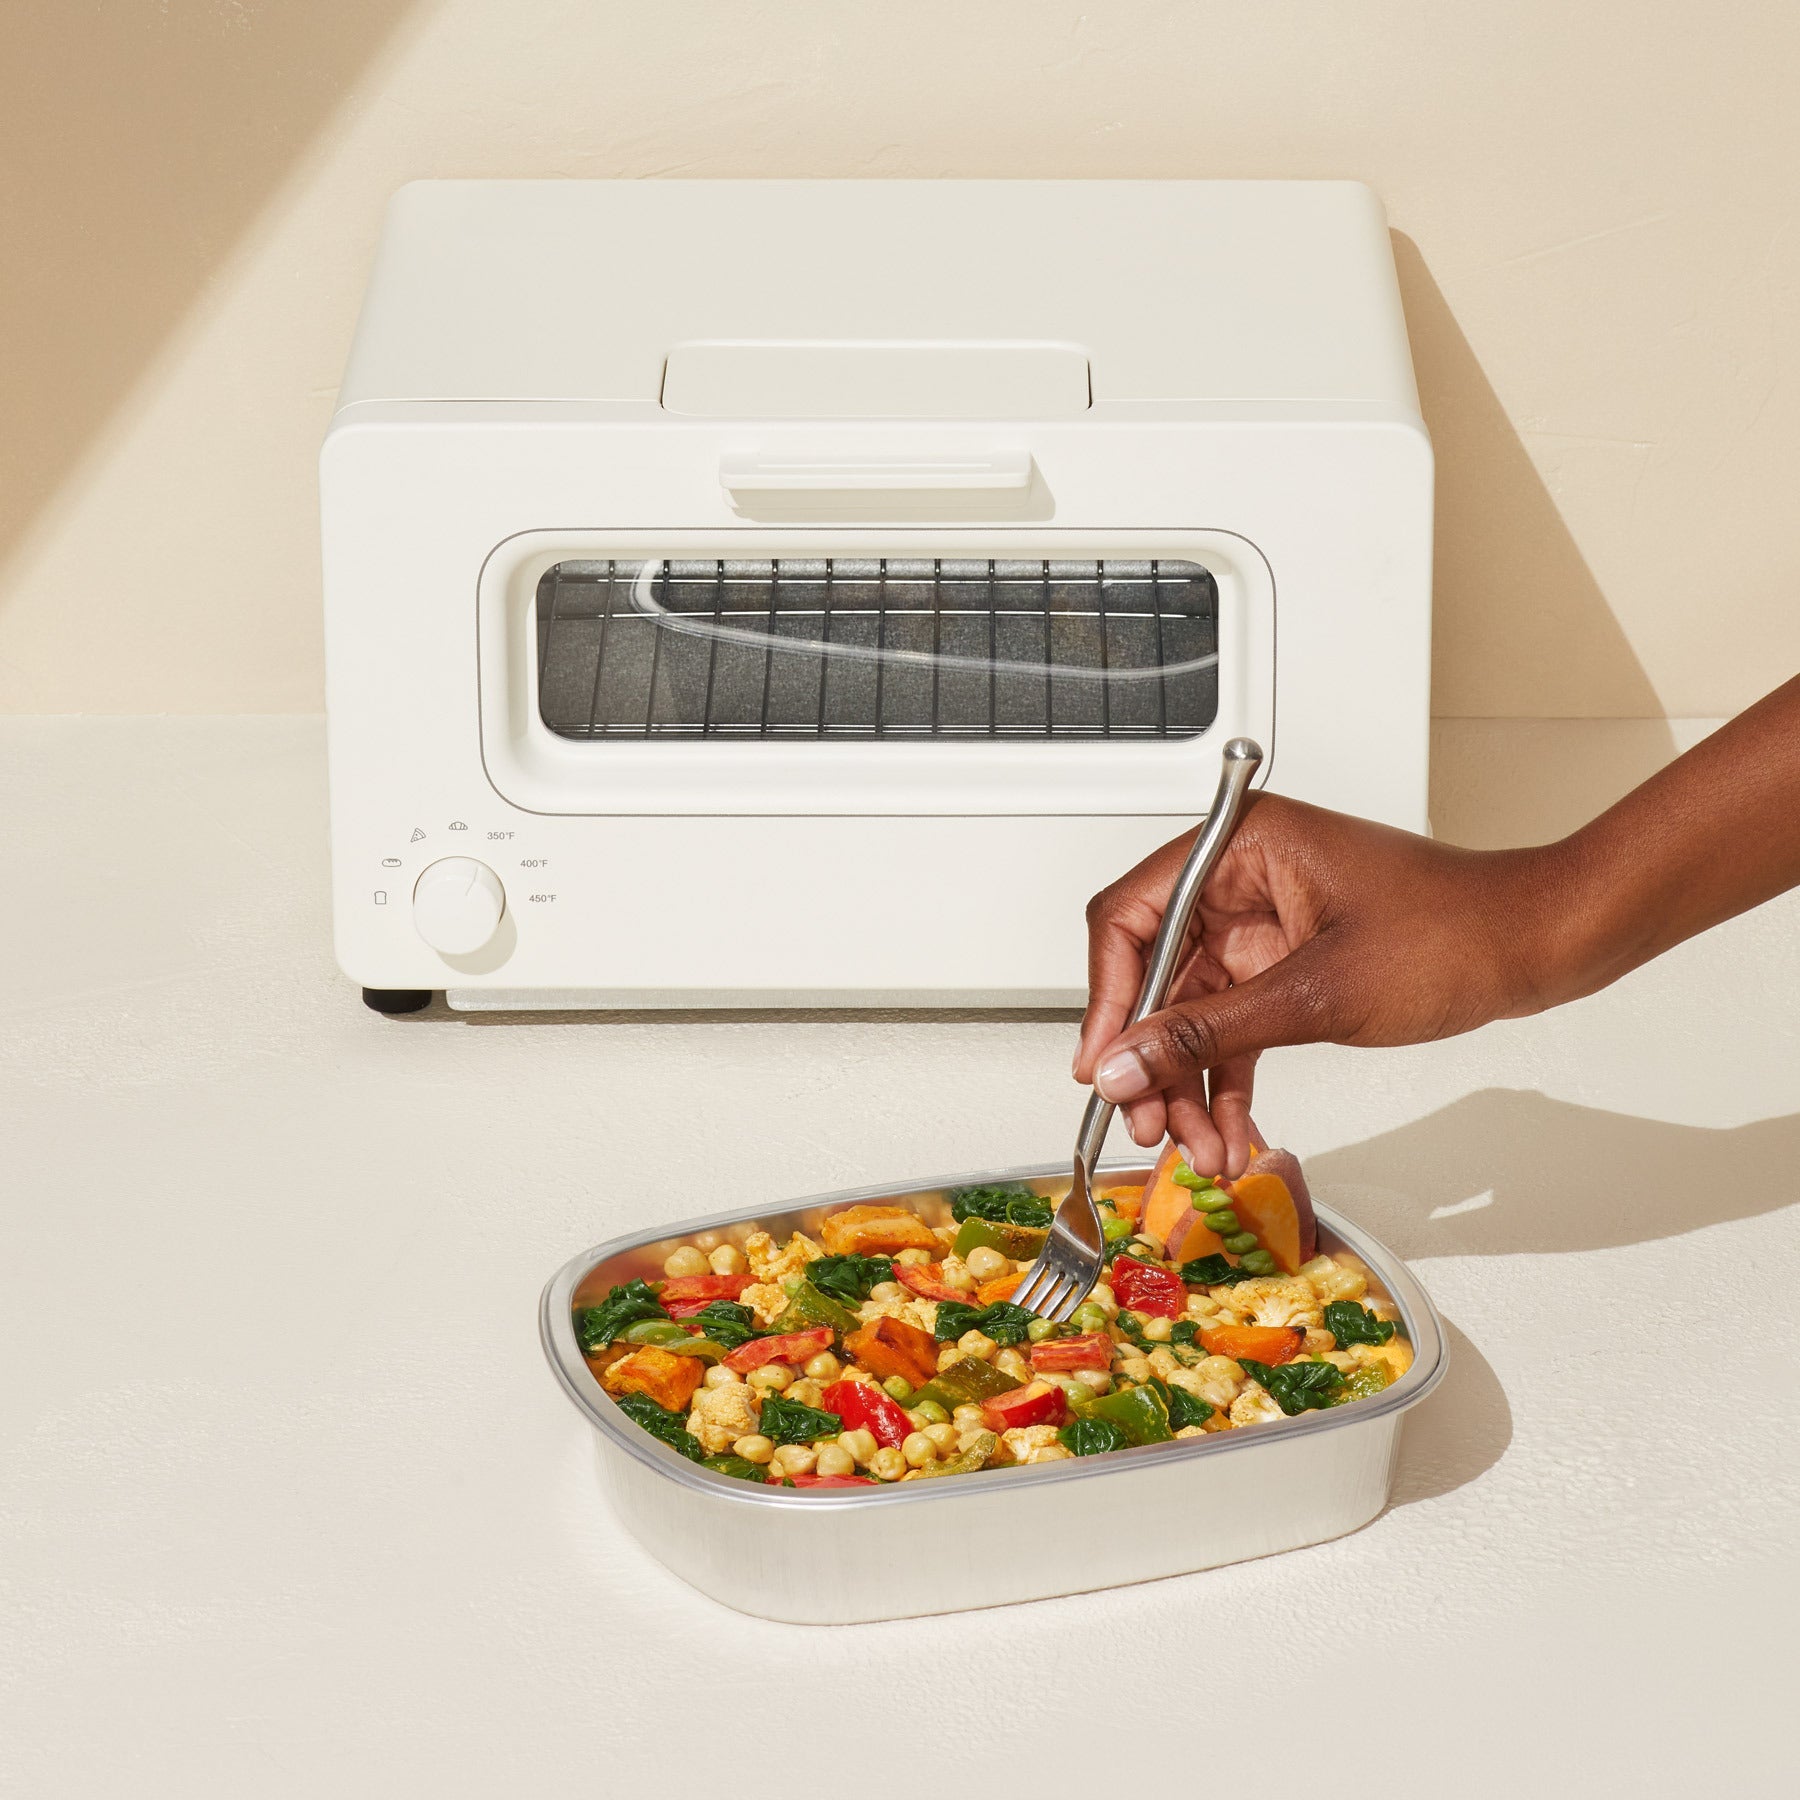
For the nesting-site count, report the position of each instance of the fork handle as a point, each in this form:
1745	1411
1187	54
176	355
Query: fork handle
1242	759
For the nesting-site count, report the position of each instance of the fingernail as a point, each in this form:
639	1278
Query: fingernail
1075	1063
1122	1076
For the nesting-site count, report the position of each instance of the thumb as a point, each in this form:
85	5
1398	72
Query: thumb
1283	1005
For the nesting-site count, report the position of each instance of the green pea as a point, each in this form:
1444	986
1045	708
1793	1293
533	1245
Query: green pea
1258	1262
1114	1229
1039	1329
1090	1315
932	1413
1224	1222
898	1388
1241	1243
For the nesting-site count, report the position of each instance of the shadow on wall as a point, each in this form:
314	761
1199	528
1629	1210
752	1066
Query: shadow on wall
137	145
1504	1171
1520	626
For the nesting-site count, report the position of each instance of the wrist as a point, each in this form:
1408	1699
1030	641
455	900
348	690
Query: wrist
1567	926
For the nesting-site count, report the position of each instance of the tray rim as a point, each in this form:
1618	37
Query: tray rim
556	1334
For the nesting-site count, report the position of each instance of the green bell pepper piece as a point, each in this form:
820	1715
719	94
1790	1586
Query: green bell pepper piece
807	1307
1139	1412
1371	1378
1021	1242
969	1460
964	1383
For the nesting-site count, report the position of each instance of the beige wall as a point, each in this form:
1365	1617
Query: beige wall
1594	206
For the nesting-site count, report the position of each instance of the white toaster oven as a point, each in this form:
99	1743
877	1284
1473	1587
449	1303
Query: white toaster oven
773	593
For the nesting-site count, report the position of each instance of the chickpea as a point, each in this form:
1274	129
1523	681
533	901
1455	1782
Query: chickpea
1096	1381
685	1261
808	1393
720	1376
985	1263
1103	1297
887	1290
856	1372
977	1343
772	1377
887	1464
1137	1369
944	1436
834	1459
968	1440
918	1450
707	1241
948	1355
824	1367
916	1419
793	1459
1071	1387
969	1418
956	1275
1157	1330
756	1448
1011	1362
913	1259
860	1444
1152	1246
727	1259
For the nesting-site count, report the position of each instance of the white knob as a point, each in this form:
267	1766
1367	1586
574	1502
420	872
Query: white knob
457	905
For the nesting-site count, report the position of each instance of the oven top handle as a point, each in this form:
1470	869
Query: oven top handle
767	472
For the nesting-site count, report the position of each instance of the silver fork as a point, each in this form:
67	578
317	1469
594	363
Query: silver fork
1074	1253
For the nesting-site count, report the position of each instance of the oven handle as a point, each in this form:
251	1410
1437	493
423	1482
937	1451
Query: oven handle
767	472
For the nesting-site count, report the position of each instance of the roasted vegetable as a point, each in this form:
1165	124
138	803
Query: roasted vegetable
662	1424
1271	1199
1092	1350
598	1326
927	1281
808	1307
965	1462
1359	1384
668	1380
1139	1412
1038	1403
875	1231
1265	1343
683	1295
968	1382
1145	1288
790	1347
893	1347
864	1407
1020	1242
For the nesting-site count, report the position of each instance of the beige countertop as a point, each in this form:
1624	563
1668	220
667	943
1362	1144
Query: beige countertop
291	1506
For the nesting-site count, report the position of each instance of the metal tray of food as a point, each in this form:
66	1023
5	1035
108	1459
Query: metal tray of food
840	1556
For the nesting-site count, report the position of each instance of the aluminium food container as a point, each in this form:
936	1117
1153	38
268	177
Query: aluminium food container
840	1556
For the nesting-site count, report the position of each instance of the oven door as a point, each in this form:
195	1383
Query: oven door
813	672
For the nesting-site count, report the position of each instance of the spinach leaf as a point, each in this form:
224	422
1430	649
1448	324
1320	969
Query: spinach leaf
1133	1327
669	1427
1011	1203
736	1467
1003	1322
1092	1437
598	1326
788	1422
849	1278
1259	1372
1184	1408
728	1323
1186	1331
1304	1386
1214	1271
1353	1324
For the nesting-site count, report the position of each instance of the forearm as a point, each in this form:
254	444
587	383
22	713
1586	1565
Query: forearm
1712	835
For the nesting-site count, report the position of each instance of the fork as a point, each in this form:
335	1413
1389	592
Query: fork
1075	1252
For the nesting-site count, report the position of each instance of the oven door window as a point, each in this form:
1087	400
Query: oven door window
877	649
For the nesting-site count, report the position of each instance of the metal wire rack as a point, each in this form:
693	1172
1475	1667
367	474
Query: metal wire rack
878	647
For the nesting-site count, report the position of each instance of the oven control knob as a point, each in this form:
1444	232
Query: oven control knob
457	905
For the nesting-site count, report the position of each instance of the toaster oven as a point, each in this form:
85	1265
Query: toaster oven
808	593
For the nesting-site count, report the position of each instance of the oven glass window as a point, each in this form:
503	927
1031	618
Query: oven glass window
878	647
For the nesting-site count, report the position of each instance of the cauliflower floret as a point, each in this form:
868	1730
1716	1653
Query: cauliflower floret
1332	1280
1165	1365
1023	1439
1277	1300
1046	1453
769	1264
766	1300
722	1415
1255	1406
922	1313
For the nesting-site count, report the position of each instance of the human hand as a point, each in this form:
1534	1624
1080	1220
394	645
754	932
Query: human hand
1314	927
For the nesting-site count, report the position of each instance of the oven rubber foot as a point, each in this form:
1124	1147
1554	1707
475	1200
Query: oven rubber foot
396	1000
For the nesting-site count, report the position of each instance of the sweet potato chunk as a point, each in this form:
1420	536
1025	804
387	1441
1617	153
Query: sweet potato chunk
875	1231
1002	1287
892	1347
1271	1344
669	1380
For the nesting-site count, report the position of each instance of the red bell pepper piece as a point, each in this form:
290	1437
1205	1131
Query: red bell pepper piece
1026	1406
1144	1288
684	1295
794	1347
804	1481
926	1280
864	1407
1092	1350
